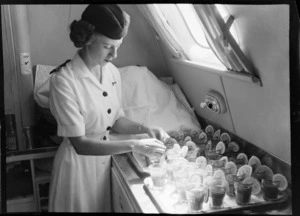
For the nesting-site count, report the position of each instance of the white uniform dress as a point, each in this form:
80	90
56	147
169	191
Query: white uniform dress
83	106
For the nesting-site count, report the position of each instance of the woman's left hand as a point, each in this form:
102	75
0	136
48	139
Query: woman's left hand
158	133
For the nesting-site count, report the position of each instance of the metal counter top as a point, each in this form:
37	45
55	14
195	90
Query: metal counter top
133	183
134	187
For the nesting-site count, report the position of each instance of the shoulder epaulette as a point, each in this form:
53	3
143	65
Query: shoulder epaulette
60	66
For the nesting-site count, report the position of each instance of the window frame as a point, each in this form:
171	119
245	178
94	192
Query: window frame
189	27
192	48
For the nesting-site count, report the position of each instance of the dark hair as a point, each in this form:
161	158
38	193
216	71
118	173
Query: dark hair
80	32
107	19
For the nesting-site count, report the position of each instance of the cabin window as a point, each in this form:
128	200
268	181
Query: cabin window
200	33
183	20
192	21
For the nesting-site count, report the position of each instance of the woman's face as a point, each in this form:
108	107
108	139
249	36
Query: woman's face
103	49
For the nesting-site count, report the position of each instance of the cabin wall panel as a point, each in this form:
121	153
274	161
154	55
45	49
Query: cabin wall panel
50	43
261	115
48	32
140	47
196	83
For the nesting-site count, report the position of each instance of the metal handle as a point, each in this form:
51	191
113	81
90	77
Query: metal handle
203	105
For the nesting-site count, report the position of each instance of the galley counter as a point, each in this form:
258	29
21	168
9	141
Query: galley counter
128	194
131	197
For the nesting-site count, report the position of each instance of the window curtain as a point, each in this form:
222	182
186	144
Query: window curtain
222	42
155	17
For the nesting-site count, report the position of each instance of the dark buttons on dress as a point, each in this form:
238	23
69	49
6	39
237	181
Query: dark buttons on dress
109	111
105	94
108	128
104	138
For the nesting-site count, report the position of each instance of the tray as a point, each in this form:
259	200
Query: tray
138	163
165	201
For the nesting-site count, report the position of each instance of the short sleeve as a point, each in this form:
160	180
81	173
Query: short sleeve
64	107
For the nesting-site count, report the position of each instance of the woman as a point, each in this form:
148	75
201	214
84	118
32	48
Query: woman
86	101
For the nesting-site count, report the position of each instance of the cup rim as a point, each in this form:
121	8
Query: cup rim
235	178
217	182
199	188
213	151
220	162
271	182
244	184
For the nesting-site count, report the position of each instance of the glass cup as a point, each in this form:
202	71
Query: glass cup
217	189
270	189
195	198
154	158
170	166
181	177
201	151
242	192
231	156
214	142
191	167
158	173
174	164
228	171
239	163
219	165
171	154
231	179
193	156
212	156
261	175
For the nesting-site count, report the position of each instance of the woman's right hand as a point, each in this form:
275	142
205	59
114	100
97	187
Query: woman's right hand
149	147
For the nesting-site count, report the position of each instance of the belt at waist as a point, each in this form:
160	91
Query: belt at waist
103	136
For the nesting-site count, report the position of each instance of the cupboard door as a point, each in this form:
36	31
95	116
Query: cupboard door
121	201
